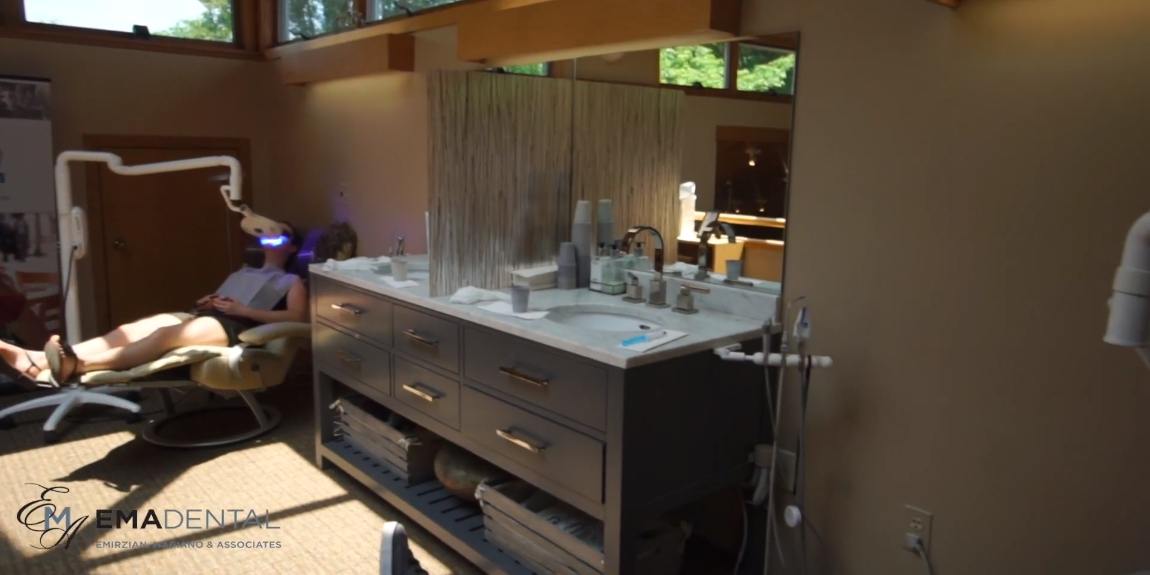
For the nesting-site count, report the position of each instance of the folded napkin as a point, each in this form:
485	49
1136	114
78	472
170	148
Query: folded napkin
392	282
669	336
468	295
358	264
502	307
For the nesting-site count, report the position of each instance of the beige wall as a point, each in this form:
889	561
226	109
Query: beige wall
356	150
962	185
113	91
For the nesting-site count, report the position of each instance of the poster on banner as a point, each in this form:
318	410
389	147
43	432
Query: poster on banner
31	307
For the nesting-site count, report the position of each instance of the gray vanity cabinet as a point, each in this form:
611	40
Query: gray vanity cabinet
623	445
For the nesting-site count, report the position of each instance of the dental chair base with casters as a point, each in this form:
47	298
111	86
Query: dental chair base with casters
260	361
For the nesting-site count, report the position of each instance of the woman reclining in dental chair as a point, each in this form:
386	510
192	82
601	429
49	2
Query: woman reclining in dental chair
247	298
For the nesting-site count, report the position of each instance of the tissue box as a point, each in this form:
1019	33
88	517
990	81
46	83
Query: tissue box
537	278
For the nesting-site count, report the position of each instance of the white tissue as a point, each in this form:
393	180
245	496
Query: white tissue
359	264
468	295
392	282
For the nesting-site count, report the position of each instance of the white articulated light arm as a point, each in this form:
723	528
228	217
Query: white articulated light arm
73	224
1129	323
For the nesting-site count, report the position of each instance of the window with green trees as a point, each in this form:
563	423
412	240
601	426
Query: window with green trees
759	68
702	66
303	19
764	69
384	9
196	19
540	69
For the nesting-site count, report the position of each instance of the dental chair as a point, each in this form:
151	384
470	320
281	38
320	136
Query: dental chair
260	361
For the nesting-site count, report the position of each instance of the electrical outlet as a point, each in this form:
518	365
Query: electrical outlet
788	470
917	523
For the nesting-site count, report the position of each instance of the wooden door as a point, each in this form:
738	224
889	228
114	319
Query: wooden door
161	241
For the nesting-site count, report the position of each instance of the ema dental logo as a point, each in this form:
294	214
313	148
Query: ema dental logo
55	524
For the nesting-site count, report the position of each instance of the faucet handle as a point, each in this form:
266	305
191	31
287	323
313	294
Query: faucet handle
685	301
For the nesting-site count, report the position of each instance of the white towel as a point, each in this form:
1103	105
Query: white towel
392	282
358	264
468	295
502	307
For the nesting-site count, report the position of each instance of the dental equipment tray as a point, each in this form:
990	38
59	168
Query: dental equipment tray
403	447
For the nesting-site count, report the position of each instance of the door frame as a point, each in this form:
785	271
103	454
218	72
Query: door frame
94	200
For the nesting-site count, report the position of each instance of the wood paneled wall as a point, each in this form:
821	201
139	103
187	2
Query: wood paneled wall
511	154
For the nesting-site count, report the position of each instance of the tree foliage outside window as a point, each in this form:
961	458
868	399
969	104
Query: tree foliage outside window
216	23
539	69
763	69
310	18
702	66
760	69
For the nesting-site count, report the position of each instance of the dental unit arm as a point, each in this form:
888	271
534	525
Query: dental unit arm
73	221
1129	323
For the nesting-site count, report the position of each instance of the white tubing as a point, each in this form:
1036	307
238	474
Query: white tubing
774	359
1129	322
72	221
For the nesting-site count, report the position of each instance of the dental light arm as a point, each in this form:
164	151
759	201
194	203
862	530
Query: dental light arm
73	222
1129	323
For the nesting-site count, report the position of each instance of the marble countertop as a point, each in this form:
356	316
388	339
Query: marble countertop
705	330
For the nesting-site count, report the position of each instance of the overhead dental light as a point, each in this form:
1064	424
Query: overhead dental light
74	227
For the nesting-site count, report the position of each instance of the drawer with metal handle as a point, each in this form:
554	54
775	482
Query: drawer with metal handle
551	380
345	357
427	391
426	337
358	311
558	453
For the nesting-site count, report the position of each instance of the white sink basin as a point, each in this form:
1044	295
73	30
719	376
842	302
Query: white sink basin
601	318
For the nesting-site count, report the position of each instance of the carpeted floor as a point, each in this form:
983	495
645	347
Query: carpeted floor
324	521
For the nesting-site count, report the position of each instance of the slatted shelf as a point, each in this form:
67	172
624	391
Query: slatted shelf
456	522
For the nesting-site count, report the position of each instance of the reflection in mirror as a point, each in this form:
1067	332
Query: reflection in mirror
737	118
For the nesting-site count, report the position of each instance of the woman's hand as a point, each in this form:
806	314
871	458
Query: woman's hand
205	302
231	307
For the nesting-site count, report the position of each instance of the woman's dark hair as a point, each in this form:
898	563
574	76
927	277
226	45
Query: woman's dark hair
296	239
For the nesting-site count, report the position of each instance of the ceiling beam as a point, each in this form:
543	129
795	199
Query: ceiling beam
374	55
565	29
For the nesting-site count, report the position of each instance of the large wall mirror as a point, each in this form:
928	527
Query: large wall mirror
523	144
736	122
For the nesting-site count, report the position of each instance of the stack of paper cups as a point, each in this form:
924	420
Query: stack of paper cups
581	237
568	276
605	219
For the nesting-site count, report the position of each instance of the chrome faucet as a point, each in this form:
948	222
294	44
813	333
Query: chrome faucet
706	230
657	288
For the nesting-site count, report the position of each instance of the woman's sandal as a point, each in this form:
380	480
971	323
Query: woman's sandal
55	352
26	377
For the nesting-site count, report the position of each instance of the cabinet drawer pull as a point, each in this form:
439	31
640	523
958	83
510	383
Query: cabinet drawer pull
509	436
414	389
348	357
516	374
347	307
414	336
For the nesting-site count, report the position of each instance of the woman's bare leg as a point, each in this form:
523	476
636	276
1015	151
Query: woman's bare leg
125	334
198	331
32	362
